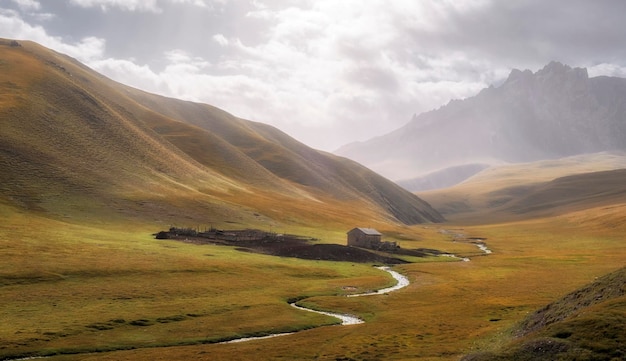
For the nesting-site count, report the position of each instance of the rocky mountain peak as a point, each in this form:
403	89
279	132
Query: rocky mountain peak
517	76
553	72
554	112
556	69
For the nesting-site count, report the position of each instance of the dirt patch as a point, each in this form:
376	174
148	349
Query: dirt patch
286	246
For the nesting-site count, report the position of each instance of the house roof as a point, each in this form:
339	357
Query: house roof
368	231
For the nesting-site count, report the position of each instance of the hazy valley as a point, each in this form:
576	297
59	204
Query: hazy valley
91	169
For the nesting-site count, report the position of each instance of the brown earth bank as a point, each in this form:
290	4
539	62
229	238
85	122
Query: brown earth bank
288	245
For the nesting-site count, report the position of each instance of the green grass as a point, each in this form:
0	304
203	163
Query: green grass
83	288
88	288
101	286
587	324
594	333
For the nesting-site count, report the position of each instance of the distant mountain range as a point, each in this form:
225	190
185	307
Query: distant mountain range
555	112
75	144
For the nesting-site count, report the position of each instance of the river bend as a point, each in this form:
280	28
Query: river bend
346	319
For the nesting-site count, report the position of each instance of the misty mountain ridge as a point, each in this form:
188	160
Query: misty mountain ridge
555	112
442	178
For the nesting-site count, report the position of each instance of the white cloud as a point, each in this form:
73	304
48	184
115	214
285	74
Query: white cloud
199	3
325	72
340	64
86	50
607	69
32	7
141	76
220	39
43	16
135	5
330	72
13	26
128	5
27	5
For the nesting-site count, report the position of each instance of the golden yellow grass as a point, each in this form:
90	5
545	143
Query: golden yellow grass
67	287
76	287
486	195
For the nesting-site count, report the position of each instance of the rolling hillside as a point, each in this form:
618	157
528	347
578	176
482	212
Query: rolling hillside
75	144
573	192
535	189
587	324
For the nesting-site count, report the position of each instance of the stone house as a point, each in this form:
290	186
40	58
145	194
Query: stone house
364	237
369	238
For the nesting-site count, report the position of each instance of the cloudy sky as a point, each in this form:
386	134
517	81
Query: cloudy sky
327	72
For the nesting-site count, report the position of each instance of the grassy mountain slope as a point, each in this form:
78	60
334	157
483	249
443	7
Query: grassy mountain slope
587	324
573	193
291	160
535	189
73	140
60	142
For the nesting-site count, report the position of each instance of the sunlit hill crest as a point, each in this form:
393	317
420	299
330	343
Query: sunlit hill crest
75	143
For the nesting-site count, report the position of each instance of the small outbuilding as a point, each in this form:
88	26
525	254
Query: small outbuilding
371	239
364	237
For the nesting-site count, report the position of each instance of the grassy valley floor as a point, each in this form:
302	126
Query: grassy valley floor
93	289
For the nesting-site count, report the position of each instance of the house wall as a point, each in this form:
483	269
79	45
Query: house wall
358	239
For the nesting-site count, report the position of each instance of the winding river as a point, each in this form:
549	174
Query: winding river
402	282
345	319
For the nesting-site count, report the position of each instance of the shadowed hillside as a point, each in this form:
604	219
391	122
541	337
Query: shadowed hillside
288	159
75	143
587	324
